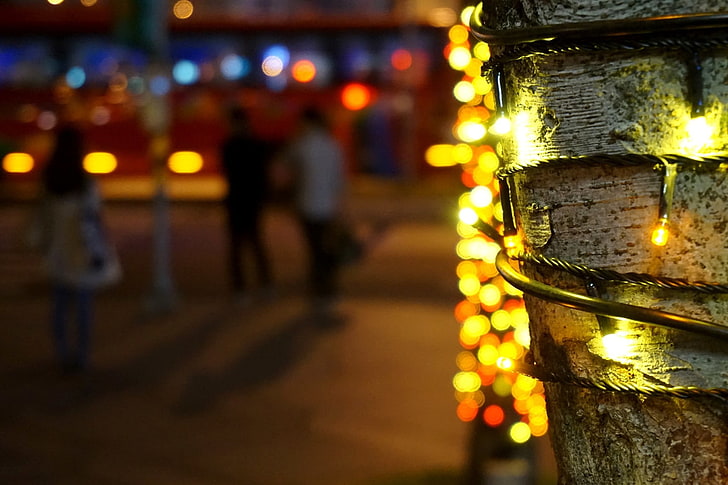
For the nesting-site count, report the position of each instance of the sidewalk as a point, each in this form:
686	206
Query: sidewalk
263	395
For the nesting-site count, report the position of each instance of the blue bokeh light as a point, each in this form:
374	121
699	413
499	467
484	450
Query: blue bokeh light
186	72
233	67
76	77
159	85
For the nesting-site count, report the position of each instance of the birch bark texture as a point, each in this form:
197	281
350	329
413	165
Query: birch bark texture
614	103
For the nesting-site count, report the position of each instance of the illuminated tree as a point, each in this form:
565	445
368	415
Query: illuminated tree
621	212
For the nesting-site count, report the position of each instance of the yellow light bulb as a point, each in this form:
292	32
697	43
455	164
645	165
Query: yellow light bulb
501	126
504	363
660	234
513	244
618	346
700	133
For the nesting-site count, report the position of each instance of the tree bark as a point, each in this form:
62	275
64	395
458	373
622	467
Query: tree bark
621	102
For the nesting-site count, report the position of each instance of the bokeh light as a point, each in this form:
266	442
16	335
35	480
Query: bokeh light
183	9
459	58
16	162
401	59
303	71
520	432
464	91
47	120
234	67
356	96
75	77
272	66
185	162
160	85
275	60
186	72
493	320
99	162
494	415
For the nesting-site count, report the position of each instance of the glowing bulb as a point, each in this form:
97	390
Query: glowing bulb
660	234
512	242
505	363
617	346
501	126
699	132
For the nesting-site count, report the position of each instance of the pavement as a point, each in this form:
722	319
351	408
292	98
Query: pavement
212	392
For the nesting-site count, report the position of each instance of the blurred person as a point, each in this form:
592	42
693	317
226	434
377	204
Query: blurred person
78	254
245	159
317	164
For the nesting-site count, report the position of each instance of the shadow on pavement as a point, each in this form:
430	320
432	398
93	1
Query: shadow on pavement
267	360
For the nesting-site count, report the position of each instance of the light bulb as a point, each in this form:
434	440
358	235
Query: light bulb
505	363
660	234
501	126
618	346
700	133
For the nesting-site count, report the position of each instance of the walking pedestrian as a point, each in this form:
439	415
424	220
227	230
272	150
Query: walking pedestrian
245	159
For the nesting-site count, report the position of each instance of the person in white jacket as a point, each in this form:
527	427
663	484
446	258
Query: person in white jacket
319	182
78	256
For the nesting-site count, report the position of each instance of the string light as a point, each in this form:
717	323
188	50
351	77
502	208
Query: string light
491	327
500	361
618	345
661	232
502	124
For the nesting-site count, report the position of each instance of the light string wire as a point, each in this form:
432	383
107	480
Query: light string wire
611	309
603	307
612	385
640	279
696	163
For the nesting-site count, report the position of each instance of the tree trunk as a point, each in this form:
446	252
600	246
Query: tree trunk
620	102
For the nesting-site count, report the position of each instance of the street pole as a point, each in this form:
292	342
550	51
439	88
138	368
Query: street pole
143	24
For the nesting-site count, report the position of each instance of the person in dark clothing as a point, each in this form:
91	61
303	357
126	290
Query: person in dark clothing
245	160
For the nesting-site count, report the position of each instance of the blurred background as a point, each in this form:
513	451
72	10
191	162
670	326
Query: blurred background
188	388
377	67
